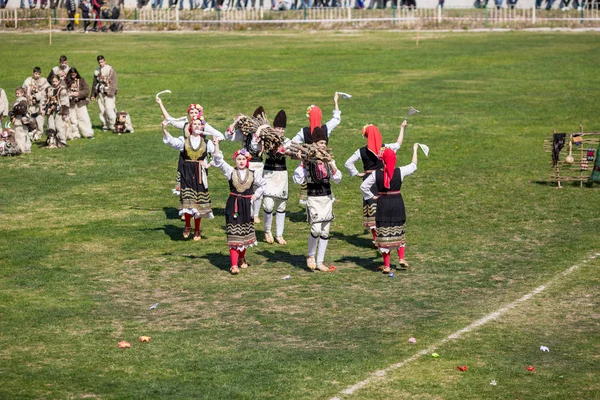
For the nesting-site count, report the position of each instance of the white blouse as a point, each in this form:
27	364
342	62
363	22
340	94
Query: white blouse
181	123
299	176
365	187
331	124
178	143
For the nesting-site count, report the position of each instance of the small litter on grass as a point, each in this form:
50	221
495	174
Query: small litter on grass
145	339
331	269
462	368
391	275
286	277
124	345
530	368
435	355
493	382
544	348
412	340
153	306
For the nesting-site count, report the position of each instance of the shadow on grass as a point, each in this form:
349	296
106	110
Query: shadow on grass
218	260
297	216
370	264
357	240
175	233
587	183
273	256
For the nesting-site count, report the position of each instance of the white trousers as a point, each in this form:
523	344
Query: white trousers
108	111
80	122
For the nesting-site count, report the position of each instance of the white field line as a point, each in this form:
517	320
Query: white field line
380	374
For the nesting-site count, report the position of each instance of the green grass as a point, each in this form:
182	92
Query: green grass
91	237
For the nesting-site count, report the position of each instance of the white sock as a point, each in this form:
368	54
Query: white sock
279	223
322	249
312	245
268	220
256	207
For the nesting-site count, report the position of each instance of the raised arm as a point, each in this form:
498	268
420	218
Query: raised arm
163	110
412	167
401	134
176	143
219	162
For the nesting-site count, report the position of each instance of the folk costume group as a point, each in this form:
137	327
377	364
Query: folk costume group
258	175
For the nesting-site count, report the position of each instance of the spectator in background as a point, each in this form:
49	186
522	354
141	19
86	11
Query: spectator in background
538	4
564	5
498	4
511	3
157	4
71	6
97	8
86	13
181	4
31	4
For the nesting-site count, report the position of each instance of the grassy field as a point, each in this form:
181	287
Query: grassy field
91	237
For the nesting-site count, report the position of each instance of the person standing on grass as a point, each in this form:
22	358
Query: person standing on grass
60	70
369	155
318	176
315	116
20	118
194	196
193	111
56	108
238	211
79	92
276	189
35	87
253	145
105	88
390	218
4	106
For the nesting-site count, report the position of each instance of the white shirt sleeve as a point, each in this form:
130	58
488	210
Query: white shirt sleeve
334	121
365	187
349	164
235	136
393	146
209	130
178	123
220	163
299	176
176	143
407	170
260	184
337	177
299	138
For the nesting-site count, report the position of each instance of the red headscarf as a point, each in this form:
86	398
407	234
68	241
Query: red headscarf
314	116
200	118
389	165
245	153
374	140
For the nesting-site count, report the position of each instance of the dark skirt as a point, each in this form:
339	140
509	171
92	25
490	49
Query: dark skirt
194	196
370	207
240	226
390	222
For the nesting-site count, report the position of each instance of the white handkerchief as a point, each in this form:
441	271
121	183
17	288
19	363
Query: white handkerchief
425	149
344	95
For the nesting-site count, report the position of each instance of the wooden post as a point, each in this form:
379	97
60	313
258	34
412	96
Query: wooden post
50	24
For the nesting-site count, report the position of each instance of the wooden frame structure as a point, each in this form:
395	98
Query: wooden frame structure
577	168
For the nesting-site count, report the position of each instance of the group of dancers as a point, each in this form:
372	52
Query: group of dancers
258	175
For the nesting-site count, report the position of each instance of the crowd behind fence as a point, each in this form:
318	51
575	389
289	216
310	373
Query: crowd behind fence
148	18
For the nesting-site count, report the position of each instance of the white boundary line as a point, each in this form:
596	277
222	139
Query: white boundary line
380	374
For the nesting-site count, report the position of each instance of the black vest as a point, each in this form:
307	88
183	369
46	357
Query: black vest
308	137
275	162
315	186
370	161
395	183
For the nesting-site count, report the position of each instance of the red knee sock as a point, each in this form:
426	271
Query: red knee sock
401	253
196	224
242	254
188	218
386	259
374	233
234	254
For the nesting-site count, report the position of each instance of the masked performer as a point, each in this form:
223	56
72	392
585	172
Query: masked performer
193	111
318	175
57	108
35	87
369	155
253	145
105	88
21	120
238	211
390	218
315	116
276	190
79	92
194	196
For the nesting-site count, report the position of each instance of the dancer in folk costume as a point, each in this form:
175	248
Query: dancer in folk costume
369	155
35	87
315	116
390	218
193	111
253	145
79	92
105	88
57	108
276	190
21	121
194	196
4	106
318	175
245	187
